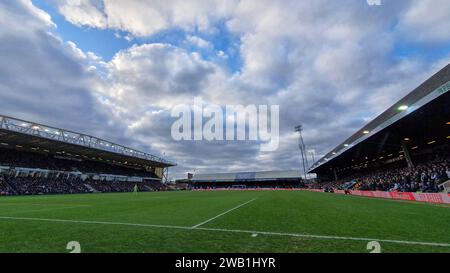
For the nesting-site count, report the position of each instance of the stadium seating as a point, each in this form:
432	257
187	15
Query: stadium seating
14	158
47	174
32	185
427	176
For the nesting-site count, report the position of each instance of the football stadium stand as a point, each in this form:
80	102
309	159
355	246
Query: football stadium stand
405	149
248	180
39	159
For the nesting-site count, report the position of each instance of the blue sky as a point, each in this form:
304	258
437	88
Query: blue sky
102	42
106	43
428	52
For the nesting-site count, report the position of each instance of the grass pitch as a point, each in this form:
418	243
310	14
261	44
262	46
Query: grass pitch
236	221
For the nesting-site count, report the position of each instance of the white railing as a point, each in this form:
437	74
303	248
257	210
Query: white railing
446	186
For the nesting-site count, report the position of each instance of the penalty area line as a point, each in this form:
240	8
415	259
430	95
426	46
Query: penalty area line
222	214
325	237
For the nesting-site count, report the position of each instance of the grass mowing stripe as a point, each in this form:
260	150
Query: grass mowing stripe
230	231
46	209
223	213
40	204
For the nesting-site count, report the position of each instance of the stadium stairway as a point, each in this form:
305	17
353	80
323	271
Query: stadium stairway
90	188
148	188
11	185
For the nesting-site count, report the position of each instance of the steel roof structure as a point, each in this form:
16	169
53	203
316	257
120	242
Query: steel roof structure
19	133
425	108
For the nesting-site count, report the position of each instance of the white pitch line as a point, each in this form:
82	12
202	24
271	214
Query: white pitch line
325	237
222	214
90	222
229	231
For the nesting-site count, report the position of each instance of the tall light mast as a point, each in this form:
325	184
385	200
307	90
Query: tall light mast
302	147
313	155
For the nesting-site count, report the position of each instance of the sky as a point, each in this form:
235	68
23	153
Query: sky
116	68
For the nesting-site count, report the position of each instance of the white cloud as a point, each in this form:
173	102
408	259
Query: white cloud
199	42
31	21
427	21
144	18
159	75
84	12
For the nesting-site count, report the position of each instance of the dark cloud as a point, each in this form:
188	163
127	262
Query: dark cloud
42	78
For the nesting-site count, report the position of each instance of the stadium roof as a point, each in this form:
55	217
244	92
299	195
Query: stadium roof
423	114
20	134
246	176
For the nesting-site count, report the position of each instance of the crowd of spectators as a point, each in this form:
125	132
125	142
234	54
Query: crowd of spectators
28	185
425	177
33	184
36	185
62	174
124	186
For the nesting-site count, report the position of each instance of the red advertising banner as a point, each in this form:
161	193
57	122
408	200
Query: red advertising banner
439	198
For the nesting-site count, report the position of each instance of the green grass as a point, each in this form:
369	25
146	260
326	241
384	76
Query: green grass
283	212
